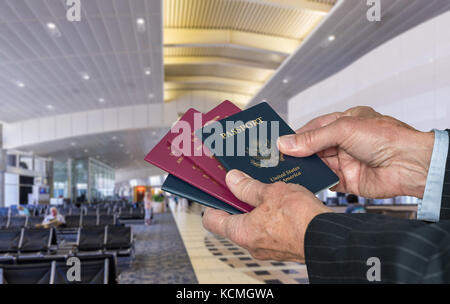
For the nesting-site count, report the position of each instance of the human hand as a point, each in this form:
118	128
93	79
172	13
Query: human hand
275	229
375	156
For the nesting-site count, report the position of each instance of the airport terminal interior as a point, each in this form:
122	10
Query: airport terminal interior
86	94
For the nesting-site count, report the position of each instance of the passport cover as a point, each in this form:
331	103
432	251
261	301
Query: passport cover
310	172
162	157
178	187
207	163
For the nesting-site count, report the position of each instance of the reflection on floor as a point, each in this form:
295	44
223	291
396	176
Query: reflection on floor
161	257
217	260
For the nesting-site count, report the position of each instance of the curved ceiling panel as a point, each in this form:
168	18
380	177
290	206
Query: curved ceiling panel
262	17
258	34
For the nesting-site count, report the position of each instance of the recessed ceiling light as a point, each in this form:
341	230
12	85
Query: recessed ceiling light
50	107
114	138
53	30
86	76
285	80
331	38
148	72
101	100
73	144
20	84
151	95
140	25
51	25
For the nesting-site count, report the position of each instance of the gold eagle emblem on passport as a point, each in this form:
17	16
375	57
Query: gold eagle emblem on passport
266	157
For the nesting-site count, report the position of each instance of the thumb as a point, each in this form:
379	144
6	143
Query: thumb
312	141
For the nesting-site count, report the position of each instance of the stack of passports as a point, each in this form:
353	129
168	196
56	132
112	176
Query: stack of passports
230	144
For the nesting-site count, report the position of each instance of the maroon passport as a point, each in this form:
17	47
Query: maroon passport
208	164
183	168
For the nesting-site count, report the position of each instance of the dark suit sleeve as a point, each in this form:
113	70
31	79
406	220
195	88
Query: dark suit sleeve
445	204
338	246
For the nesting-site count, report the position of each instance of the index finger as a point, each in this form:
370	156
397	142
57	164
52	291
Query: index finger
320	122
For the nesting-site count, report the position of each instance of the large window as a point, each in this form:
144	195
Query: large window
80	180
101	180
60	179
90	180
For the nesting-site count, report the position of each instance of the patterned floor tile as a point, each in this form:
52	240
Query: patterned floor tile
269	272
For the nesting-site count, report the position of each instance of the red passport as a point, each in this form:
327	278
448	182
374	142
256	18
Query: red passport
183	168
208	164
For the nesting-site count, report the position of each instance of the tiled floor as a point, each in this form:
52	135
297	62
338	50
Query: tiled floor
217	260
186	253
161	257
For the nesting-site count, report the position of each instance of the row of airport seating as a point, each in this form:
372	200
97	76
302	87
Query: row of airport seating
35	210
30	256
94	269
128	212
110	238
23	243
94	234
20	221
103	208
72	221
75	221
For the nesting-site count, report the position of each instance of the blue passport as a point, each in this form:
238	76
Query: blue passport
247	141
178	187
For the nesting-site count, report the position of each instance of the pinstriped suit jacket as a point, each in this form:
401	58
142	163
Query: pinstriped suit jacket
337	247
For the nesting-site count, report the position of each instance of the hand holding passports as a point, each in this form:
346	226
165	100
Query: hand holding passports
244	140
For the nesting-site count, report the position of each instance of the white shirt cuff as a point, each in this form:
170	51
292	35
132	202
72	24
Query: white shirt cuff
429	207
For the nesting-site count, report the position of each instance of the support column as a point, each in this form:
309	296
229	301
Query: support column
3	164
49	173
70	194
89	186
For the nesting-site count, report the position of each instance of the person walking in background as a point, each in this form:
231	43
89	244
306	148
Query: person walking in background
148	208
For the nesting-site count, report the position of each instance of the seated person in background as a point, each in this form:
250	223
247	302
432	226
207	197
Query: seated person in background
54	219
23	211
353	205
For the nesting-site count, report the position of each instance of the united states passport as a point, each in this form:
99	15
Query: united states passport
247	141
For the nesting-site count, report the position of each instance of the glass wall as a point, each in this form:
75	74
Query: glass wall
90	180
101	180
80	180
60	179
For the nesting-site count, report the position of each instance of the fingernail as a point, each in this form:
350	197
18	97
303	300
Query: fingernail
287	142
235	176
